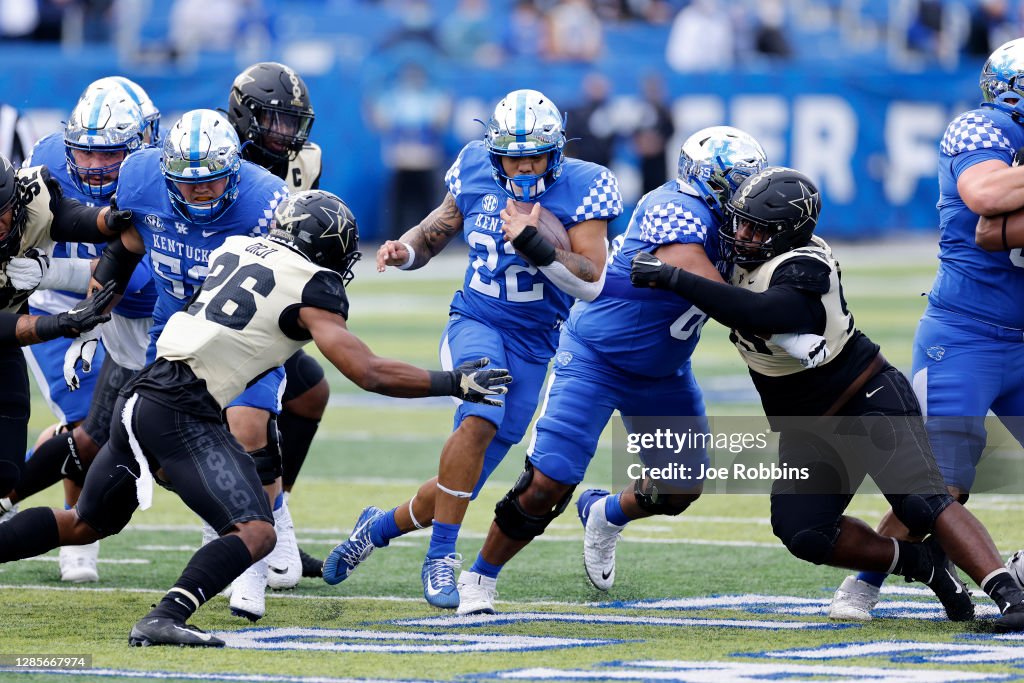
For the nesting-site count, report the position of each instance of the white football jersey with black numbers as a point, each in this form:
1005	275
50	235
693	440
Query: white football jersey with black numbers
769	359
35	196
304	170
244	320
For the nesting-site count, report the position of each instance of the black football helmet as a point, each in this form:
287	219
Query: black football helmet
12	199
270	109
782	207
321	227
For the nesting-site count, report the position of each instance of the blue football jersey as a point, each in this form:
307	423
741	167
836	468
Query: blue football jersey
179	249
971	281
649	332
140	296
501	288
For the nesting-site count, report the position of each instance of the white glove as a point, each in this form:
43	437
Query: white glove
26	272
82	349
810	349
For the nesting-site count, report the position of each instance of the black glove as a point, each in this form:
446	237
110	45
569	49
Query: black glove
470	383
648	271
1018	157
118	220
82	318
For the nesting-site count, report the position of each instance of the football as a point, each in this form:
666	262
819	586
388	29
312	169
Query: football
550	227
1016	566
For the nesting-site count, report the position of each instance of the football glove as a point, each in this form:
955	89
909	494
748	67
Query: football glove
26	272
810	349
118	220
82	349
471	383
648	271
82	318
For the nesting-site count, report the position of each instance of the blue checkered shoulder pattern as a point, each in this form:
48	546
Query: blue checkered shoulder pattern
262	226
973	131
671	222
603	200
453	177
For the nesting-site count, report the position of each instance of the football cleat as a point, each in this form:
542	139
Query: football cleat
853	601
249	592
476	593
165	631
1011	620
439	587
311	567
78	562
946	583
7	510
284	566
352	552
599	538
1015	565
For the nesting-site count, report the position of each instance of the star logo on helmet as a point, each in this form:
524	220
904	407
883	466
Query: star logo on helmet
808	203
333	217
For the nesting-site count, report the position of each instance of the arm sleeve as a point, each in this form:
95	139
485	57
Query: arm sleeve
9	329
76	222
324	290
785	306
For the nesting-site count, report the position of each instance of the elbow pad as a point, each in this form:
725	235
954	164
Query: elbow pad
117	263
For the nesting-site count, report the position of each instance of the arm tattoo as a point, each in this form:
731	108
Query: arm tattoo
578	265
436	230
25	331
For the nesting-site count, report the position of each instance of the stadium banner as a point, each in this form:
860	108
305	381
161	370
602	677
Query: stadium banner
868	138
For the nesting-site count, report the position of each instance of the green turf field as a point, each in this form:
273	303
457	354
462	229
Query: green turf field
708	596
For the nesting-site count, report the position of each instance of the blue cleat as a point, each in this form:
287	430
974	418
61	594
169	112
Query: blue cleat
586	500
349	554
439	587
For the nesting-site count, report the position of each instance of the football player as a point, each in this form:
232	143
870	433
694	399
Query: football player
265	297
34	214
104	127
509	309
967	356
270	109
627	350
187	197
788	281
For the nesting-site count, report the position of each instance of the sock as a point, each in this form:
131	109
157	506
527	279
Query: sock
385	528
912	561
210	570
43	469
279	501
485	568
613	510
29	533
297	434
442	540
875	579
1001	587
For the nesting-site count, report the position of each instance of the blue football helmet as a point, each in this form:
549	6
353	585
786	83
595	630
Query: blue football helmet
150	113
525	123
201	147
102	121
1002	86
716	160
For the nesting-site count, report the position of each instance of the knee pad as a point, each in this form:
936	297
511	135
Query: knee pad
269	461
918	513
650	499
518	524
812	545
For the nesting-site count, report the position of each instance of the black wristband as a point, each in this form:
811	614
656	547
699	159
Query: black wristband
48	327
442	383
117	263
535	248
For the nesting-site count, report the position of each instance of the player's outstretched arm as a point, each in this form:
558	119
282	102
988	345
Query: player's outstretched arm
991	188
470	381
117	263
22	330
423	242
76	222
1000	233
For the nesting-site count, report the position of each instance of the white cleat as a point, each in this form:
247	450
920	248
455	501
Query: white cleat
284	565
476	593
249	592
853	600
7	510
78	562
599	539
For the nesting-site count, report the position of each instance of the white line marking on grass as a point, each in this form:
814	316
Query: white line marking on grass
629	619
102	560
196	676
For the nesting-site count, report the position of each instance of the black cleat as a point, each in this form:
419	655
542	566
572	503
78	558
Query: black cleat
944	581
311	566
1012	620
166	631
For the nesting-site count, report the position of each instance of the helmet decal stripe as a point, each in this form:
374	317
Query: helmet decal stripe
128	89
520	130
193	143
94	114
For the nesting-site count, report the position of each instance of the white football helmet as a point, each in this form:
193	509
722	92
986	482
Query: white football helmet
714	161
102	121
525	123
1001	78
201	147
150	113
